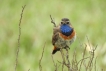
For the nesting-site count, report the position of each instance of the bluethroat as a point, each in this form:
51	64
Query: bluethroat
63	35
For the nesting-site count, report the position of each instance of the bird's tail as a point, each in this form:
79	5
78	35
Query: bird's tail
55	50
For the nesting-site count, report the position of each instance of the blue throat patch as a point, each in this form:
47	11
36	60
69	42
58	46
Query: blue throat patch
66	29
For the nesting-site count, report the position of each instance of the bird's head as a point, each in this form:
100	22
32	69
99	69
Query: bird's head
65	21
65	27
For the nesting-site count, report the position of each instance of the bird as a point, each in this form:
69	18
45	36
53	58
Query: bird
63	35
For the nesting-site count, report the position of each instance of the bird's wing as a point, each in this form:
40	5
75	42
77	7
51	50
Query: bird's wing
55	36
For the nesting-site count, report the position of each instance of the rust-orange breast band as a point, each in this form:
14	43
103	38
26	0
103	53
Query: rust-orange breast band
67	37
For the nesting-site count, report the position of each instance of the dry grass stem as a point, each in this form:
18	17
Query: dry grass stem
52	21
68	61
55	64
83	57
17	52
95	64
90	63
40	66
62	54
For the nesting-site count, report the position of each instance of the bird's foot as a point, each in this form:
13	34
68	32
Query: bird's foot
66	47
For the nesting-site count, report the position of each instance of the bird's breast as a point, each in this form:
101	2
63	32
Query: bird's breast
65	40
67	37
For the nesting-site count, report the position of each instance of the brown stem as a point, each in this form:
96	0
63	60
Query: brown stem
52	21
40	66
17	52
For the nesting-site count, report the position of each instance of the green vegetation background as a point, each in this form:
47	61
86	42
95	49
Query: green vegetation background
87	16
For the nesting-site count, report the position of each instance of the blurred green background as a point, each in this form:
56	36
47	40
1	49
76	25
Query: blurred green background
87	16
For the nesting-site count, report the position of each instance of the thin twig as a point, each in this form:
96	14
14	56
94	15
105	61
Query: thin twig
66	61
90	64
17	52
95	64
63	63
55	65
74	62
67	58
53	60
40	66
62	54
89	43
52	21
82	58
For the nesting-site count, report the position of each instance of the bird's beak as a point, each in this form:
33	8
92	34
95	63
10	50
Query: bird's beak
64	22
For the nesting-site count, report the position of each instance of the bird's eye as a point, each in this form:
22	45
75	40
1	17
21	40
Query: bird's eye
67	22
61	22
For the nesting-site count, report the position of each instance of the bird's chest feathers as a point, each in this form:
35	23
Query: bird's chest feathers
65	42
66	36
62	42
